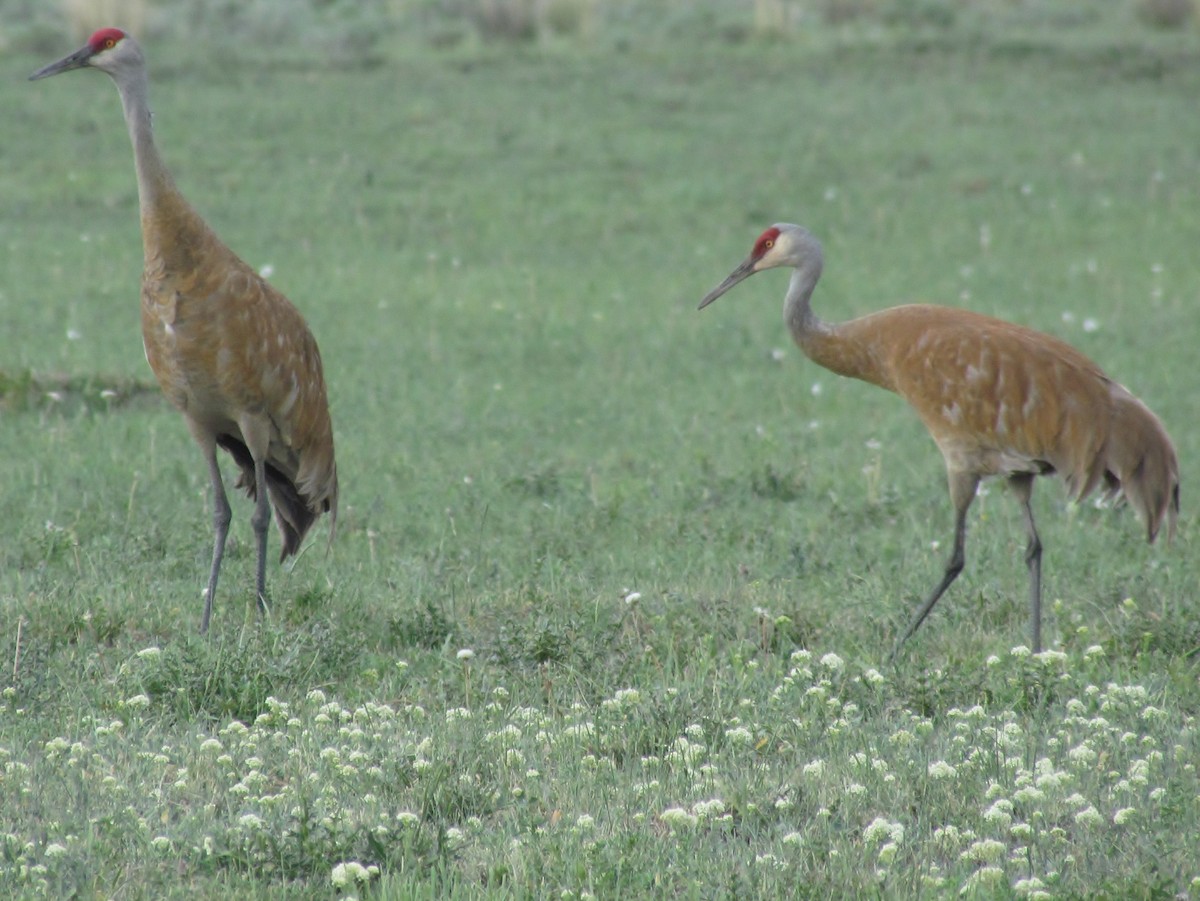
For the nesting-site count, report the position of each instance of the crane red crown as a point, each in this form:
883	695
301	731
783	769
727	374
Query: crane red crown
765	242
105	39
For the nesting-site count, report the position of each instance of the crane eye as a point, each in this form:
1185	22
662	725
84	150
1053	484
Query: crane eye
109	43
769	243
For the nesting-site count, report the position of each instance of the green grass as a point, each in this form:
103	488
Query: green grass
678	562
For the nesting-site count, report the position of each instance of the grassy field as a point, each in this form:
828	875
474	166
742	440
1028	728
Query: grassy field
615	581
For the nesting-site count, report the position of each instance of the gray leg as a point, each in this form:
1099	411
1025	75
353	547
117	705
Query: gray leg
1022	486
962	493
221	517
260	521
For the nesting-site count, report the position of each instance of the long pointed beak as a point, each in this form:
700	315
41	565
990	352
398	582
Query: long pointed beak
740	274
77	60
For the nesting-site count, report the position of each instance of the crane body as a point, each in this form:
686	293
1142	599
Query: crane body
998	399
230	352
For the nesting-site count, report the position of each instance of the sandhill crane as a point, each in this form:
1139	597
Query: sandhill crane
998	399
230	352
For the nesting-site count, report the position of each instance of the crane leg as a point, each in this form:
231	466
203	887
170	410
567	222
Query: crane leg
1022	486
221	518
256	432
260	521
962	493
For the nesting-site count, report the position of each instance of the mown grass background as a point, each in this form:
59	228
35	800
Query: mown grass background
677	552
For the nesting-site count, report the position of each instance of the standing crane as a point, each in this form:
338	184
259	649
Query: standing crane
229	351
997	399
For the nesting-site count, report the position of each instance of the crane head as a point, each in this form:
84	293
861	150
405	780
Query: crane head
783	244
105	50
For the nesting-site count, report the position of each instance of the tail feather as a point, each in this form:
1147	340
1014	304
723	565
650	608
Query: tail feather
293	514
1141	465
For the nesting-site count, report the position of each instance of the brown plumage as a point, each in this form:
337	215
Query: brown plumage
231	353
998	399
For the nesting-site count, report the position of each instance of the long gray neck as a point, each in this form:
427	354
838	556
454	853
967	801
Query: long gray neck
801	321
152	176
840	347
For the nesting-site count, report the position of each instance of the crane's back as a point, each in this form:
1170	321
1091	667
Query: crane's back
1001	399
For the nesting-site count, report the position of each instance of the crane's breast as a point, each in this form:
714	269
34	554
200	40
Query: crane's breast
233	346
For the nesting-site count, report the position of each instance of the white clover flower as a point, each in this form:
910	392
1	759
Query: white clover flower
349	874
942	770
454	836
585	822
1139	772
1028	886
1082	754
465	654
988	877
316	697
1020	652
137	702
882	829
1021	831
211	746
56	746
678	818
54	849
408	819
986	850
508	735
833	661
1051	781
793	838
1089	816
579	730
999	814
814	769
151	653
1150	712
740	736
1048	657
250	821
1124	815
707	810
